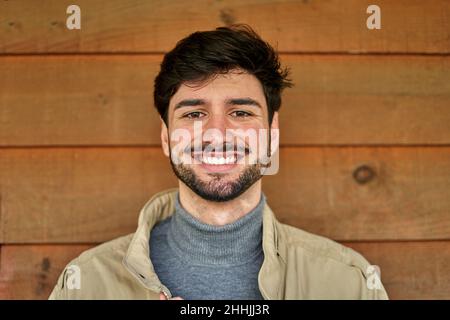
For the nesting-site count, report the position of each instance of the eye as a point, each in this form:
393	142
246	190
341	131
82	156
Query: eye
193	115
241	114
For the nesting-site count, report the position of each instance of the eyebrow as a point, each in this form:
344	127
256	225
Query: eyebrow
244	101
200	102
189	103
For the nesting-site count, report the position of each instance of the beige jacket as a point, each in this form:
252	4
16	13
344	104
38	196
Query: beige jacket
297	264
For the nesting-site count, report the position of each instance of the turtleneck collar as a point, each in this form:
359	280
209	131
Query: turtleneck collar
204	244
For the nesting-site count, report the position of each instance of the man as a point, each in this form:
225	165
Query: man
214	237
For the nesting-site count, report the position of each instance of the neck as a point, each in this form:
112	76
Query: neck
219	213
205	244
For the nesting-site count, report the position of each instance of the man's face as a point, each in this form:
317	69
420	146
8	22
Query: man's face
218	130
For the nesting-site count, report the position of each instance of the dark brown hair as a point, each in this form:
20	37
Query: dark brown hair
202	55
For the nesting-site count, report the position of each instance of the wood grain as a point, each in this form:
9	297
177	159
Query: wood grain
365	131
375	193
409	270
85	100
77	195
107	100
73	195
31	272
293	26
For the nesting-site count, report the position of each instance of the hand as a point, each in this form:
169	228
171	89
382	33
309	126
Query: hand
162	296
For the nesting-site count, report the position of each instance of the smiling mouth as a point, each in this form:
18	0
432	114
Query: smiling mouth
218	159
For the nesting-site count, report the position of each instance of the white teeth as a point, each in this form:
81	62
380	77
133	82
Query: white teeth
219	161
230	160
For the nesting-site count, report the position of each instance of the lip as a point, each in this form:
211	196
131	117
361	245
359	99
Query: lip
218	167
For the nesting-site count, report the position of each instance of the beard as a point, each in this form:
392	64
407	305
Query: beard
218	189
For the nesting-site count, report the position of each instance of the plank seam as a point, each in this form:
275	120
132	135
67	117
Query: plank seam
160	53
106	146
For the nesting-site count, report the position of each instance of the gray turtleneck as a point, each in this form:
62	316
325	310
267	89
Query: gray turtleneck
195	260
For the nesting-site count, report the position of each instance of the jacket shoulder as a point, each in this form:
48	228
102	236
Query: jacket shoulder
113	249
322	247
330	269
95	272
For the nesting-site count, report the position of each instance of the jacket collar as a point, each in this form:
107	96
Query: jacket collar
162	205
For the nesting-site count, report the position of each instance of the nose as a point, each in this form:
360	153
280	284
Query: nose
215	129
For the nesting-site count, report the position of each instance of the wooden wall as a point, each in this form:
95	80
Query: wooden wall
365	133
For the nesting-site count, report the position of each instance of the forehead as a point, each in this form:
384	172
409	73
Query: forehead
235	84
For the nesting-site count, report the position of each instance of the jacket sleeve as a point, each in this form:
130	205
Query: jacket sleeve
371	287
373	292
62	289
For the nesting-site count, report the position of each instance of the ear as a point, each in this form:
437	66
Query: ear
274	134
165	138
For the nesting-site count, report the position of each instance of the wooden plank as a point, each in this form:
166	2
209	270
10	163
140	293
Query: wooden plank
411	270
31	272
107	100
77	195
93	100
376	193
155	26
83	195
367	100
